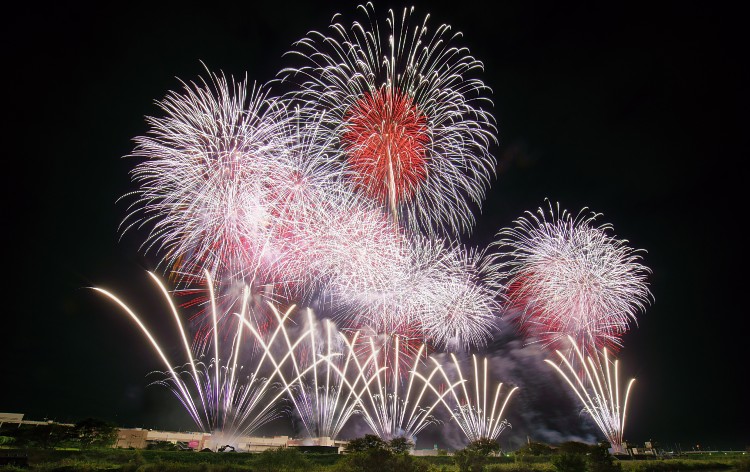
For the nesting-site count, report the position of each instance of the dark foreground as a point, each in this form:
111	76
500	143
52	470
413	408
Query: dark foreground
146	460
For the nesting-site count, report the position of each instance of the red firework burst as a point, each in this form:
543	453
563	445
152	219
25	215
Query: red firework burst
386	138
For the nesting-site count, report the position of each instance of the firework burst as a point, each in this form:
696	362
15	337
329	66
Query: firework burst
203	183
427	289
597	385
570	277
407	109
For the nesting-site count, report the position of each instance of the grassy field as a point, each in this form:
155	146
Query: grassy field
185	461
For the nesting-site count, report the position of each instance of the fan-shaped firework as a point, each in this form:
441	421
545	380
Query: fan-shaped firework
597	385
388	401
218	397
407	108
316	392
471	414
571	277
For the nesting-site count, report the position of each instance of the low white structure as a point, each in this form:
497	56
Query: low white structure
139	438
17	418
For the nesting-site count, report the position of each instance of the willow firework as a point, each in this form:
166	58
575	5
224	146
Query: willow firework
409	113
568	276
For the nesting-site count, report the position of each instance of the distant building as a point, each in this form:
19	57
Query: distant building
17	418
139	438
322	444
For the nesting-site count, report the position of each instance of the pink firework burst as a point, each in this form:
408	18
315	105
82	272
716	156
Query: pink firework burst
569	276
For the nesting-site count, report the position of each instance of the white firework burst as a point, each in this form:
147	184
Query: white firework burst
427	289
203	182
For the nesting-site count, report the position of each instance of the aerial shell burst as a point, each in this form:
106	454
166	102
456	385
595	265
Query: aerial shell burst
406	106
426	289
569	276
201	183
230	182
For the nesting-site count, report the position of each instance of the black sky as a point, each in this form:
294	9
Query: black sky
630	109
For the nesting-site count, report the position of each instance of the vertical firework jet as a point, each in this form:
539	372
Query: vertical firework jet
405	105
217	396
571	277
477	417
597	385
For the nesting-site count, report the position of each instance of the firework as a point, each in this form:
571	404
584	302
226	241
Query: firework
388	401
232	182
202	183
597	385
408	111
570	277
465	304
217	395
308	195
316	391
424	289
471	412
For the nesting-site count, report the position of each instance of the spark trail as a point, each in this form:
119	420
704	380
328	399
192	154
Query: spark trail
597	385
216	395
470	412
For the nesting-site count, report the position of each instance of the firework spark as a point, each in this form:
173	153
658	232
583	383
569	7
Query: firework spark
597	385
471	412
217	396
407	109
571	277
202	181
388	401
426	289
316	391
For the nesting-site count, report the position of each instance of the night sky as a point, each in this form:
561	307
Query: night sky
630	110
